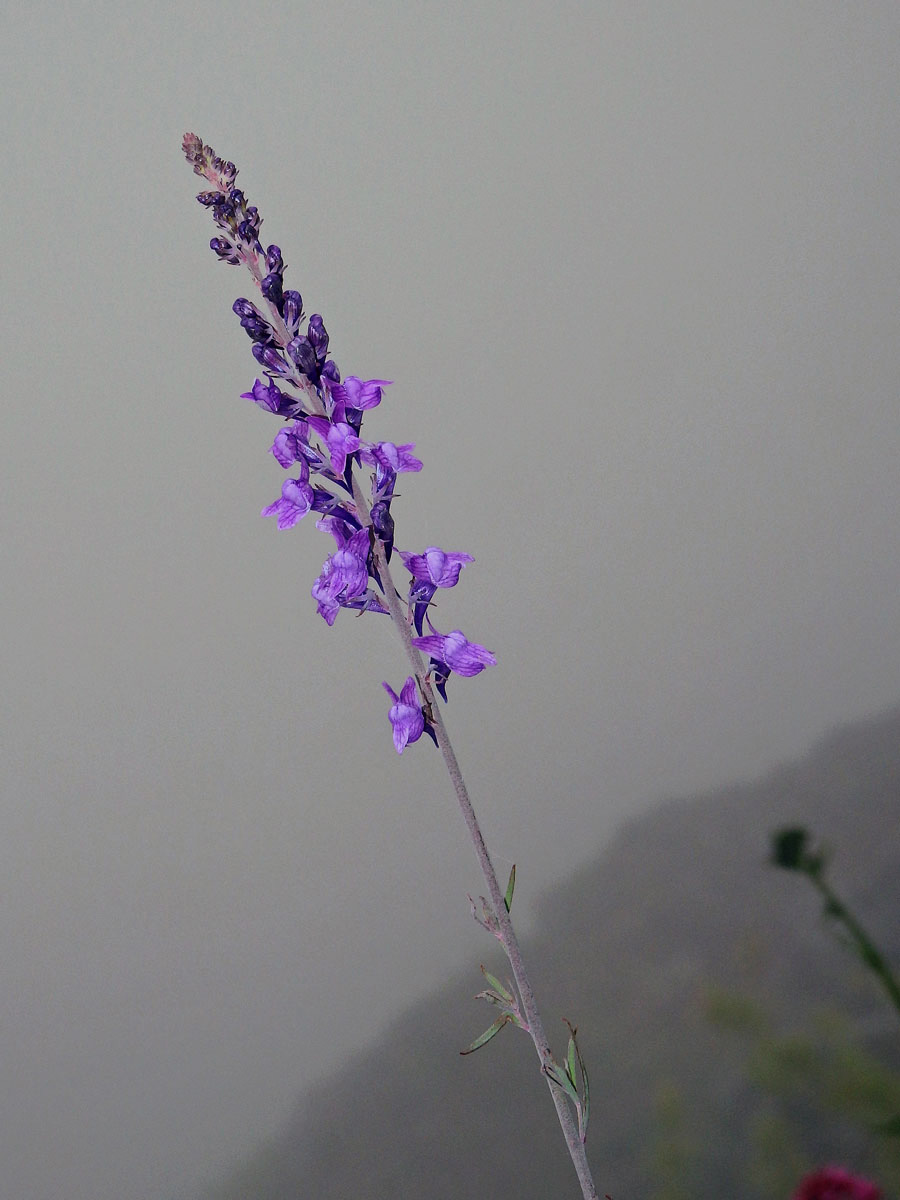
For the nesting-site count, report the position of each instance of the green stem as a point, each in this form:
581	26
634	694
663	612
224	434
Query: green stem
865	947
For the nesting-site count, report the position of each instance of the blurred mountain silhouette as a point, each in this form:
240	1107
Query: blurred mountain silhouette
679	910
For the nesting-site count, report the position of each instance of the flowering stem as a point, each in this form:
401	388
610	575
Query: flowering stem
507	934
332	411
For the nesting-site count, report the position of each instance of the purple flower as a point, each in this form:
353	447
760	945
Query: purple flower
406	714
271	398
435	566
354	393
271	360
340	529
344	576
429	571
292	311
350	565
255	324
272	286
225	249
296	500
395	458
383	524
453	649
383	483
326	605
835	1183
340	439
310	351
291	445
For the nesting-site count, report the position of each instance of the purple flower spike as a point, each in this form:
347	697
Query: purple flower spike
405	715
435	566
462	656
296	500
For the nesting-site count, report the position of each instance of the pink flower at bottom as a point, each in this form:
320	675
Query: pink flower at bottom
834	1183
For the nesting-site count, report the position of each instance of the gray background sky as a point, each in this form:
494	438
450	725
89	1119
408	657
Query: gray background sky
634	270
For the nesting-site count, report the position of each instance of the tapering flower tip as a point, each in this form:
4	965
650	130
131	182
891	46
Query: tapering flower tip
461	656
206	162
239	222
406	714
435	566
836	1183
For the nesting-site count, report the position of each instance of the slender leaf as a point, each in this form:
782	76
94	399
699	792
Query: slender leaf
491	997
585	1114
498	986
584	1108
510	888
561	1079
488	1034
570	1059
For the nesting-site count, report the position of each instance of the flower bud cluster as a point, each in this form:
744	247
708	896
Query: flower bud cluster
321	444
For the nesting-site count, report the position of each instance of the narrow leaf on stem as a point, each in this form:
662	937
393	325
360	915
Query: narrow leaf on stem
488	1034
498	986
510	888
